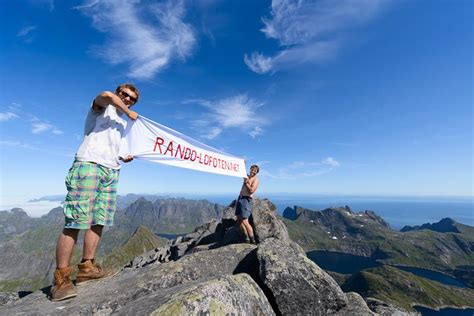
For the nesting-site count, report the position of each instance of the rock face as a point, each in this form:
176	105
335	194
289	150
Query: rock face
231	295
297	284
209	272
387	309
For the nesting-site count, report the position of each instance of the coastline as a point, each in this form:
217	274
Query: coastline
441	307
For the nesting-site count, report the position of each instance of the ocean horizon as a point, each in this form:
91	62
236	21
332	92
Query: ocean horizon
397	211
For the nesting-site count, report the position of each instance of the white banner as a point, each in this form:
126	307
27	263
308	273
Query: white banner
148	140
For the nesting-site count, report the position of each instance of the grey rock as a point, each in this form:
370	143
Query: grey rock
266	223
355	306
297	285
158	255
231	295
233	235
177	248
7	298
138	285
386	309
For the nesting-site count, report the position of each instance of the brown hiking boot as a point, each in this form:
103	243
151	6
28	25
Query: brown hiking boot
89	271
63	287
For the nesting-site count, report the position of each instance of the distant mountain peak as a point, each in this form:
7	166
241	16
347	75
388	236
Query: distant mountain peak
332	214
445	225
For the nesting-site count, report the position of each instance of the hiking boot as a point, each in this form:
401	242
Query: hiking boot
252	240
89	271
63	287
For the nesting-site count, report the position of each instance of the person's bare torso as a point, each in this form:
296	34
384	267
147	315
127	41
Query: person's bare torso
245	191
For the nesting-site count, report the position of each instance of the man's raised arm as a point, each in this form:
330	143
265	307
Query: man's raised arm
106	98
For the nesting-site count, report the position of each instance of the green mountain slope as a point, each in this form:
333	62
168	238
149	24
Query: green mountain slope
140	242
405	289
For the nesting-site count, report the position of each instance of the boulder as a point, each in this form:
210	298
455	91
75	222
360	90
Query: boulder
8	297
386	309
355	306
230	295
267	225
296	284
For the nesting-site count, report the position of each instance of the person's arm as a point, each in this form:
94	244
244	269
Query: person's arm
252	187
106	98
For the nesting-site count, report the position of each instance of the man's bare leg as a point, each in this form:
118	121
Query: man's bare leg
91	240
241	226
65	246
248	228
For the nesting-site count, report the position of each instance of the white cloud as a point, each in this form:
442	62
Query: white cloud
17	144
147	37
302	169
309	31
26	30
65	152
330	161
7	116
257	131
33	209
38	127
15	107
259	63
238	111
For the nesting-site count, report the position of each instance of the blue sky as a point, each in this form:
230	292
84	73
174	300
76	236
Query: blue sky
335	97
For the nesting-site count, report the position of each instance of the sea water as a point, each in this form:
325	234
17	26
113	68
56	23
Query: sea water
397	211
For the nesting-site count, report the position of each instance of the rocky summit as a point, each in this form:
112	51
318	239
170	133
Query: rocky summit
210	271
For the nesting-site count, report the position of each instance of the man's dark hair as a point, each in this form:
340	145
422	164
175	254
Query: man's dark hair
129	86
255	166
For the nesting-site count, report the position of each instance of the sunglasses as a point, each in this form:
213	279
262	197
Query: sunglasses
126	95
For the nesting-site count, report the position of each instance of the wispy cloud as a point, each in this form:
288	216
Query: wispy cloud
38	127
26	30
238	112
17	144
309	31
49	4
147	37
7	116
65	152
302	169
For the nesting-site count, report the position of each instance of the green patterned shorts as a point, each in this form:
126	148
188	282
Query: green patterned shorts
92	195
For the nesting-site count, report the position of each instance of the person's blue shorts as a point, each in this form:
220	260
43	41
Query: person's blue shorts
244	207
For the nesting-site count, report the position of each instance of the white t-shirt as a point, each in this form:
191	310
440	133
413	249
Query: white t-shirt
103	133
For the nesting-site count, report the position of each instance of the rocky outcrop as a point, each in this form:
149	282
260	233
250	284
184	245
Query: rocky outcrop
297	284
209	272
387	309
7	298
231	295
356	306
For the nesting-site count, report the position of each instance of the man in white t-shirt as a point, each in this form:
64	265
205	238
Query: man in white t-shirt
92	188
